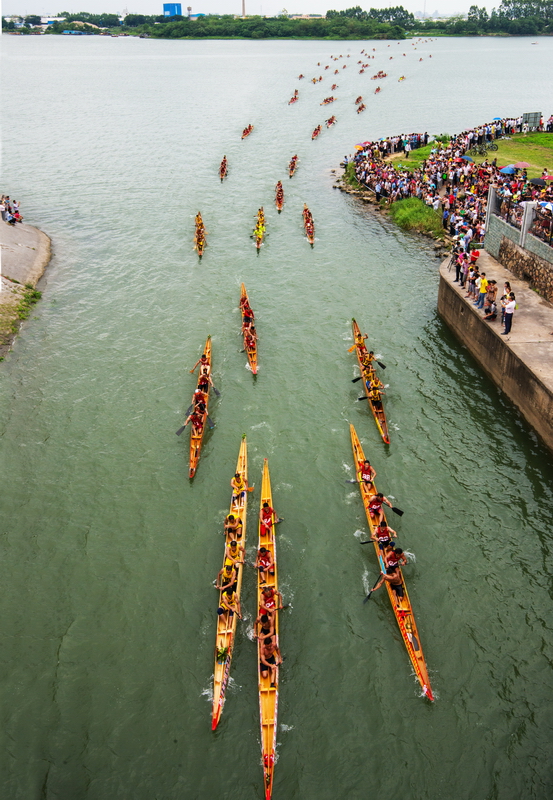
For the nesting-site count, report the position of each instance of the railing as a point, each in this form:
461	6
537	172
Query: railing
511	212
542	226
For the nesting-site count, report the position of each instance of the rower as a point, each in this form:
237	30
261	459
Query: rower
393	577
271	600
203	361
375	393
233	526
198	397
230	604
269	659
227	577
197	422
239	487
368	473
234	553
368	359
266	519
383	535
265	564
395	558
375	506
265	626
204	380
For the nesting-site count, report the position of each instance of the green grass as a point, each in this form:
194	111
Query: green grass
349	176
414	215
534	148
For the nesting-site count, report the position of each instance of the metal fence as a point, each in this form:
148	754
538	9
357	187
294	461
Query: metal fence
511	212
542	226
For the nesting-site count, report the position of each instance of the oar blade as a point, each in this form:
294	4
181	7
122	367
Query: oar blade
180	430
398	511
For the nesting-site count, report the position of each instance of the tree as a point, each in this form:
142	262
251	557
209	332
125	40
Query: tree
33	19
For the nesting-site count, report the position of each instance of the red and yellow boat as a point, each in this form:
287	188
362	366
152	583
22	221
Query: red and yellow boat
247	130
316	132
368	372
226	626
292	165
223	169
199	235
401	606
197	434
248	322
308	224
259	231
279	196
268	693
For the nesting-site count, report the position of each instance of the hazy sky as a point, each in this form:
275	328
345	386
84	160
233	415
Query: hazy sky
53	7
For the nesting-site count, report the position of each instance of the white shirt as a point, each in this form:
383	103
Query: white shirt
510	307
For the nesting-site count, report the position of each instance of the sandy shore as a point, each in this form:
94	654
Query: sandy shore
25	253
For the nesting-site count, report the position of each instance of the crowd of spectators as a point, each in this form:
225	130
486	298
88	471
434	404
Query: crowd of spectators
449	181
10	210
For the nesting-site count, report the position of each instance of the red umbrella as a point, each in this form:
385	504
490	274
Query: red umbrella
521	164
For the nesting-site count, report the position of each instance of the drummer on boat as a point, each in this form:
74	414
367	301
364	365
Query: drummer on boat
375	506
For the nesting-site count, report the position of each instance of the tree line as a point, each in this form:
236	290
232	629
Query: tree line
515	17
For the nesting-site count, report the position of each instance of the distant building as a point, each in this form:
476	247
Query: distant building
172	9
305	16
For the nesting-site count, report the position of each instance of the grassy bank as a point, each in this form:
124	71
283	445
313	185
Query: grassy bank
534	148
414	215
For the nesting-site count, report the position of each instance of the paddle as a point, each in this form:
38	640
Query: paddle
180	430
368	597
209	422
396	510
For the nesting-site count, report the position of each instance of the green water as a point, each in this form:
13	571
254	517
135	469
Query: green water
108	552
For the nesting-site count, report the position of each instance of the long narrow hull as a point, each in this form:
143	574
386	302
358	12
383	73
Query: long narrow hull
199	236
223	172
247	132
196	439
268	695
368	374
401	606
226	628
309	226
251	352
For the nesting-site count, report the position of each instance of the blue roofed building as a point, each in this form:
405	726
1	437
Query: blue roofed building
172	9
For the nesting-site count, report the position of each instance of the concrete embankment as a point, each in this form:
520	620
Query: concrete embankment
25	252
521	364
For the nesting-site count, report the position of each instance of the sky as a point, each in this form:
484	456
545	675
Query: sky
274	7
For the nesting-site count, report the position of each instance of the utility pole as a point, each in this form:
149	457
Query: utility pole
243	9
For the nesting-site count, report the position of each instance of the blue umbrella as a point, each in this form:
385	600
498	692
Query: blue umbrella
468	158
508	170
496	119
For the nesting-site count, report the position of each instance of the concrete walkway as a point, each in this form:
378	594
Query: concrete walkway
25	252
531	336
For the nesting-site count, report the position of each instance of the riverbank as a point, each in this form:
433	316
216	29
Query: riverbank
25	252
520	364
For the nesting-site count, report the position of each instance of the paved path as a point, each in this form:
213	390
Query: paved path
25	252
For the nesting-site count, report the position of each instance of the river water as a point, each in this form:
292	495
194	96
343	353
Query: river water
108	551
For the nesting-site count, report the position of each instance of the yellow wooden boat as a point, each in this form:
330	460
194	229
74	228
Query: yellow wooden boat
197	435
368	374
402	606
268	694
226	626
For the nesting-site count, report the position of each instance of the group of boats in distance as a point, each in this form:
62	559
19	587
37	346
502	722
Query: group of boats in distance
260	228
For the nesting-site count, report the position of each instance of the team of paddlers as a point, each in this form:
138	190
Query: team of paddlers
247	130
199	235
308	224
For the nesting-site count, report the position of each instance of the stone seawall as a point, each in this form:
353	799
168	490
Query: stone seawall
528	266
520	364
